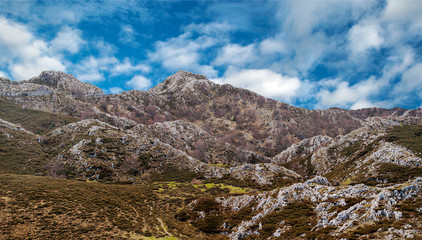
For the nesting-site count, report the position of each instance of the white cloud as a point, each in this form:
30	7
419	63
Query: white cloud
364	36
184	53
271	46
236	55
115	90
345	95
139	82
126	67
214	28
128	35
105	48
68	39
362	104
411	80
3	74
27	69
24	55
264	82
92	69
405	12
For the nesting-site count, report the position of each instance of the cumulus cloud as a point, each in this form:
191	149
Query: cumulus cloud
68	39
94	69
364	36
126	67
23	54
271	46
139	82
236	55
91	69
184	52
404	12
338	93
115	90
264	82
411	80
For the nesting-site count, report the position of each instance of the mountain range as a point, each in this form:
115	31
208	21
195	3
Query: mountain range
192	159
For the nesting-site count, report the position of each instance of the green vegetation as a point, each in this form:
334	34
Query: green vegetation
21	153
409	136
301	165
172	173
35	121
232	189
43	207
298	216
393	173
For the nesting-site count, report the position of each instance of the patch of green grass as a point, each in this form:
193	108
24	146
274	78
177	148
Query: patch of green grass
409	136
232	189
220	165
38	122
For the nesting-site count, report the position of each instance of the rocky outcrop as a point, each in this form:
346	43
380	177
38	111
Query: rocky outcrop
198	143
342	209
301	149
66	83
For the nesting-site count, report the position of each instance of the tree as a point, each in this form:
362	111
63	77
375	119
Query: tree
56	168
132	165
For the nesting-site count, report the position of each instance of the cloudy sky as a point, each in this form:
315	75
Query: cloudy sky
312	54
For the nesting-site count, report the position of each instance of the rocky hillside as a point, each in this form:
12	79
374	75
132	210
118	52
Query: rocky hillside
226	162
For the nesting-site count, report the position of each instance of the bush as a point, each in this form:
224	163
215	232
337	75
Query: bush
206	204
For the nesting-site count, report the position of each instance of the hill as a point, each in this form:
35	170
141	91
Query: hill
192	159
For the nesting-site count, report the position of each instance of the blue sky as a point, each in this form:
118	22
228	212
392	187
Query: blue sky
312	54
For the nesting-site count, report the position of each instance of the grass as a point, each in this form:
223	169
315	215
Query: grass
299	216
393	173
38	122
409	136
232	189
49	208
21	153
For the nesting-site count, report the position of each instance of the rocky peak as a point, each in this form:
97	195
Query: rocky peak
180	81
5	80
65	82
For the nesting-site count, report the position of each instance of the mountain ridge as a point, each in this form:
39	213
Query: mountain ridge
226	162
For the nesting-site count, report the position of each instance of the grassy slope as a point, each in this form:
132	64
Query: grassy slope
20	153
41	207
44	207
409	136
35	121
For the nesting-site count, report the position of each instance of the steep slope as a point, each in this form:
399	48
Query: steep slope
198	143
35	121
94	150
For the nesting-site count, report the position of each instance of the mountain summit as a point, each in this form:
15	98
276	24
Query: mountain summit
180	82
65	82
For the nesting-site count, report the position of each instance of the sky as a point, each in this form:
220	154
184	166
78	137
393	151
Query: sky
311	54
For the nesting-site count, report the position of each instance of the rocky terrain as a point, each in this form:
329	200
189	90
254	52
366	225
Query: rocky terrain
227	163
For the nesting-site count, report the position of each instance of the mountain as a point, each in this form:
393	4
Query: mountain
224	161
